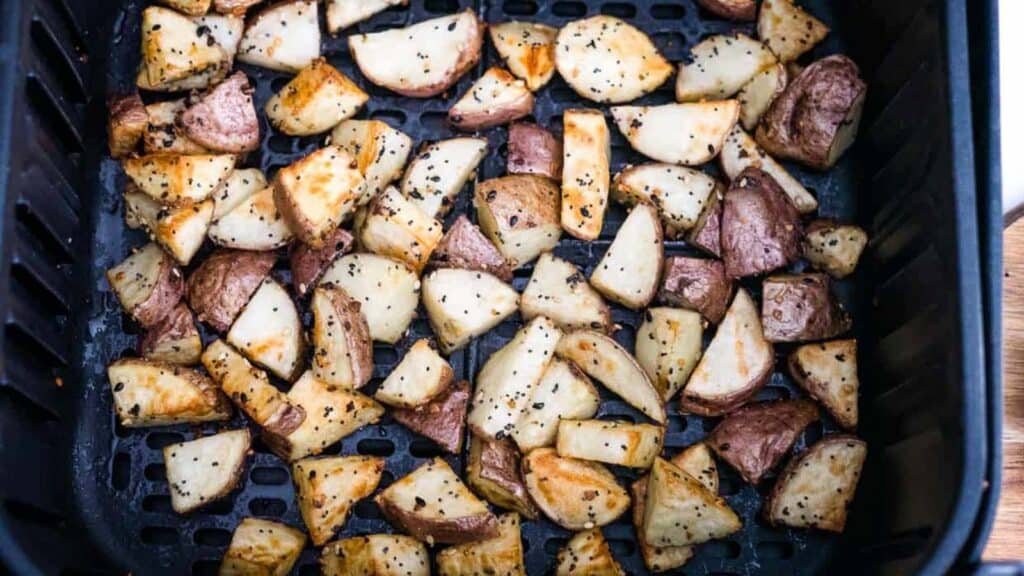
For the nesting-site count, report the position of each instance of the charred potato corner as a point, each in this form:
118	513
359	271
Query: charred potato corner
534	309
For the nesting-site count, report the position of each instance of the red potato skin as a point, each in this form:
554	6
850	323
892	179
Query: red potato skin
739	398
697	284
308	263
222	285
454	531
761	229
480	121
224	119
534	150
499	463
127	123
443	419
357	336
178	325
738	10
800	307
707	234
465	246
167	292
755	438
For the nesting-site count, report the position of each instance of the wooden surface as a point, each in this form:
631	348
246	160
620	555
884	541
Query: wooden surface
1007	540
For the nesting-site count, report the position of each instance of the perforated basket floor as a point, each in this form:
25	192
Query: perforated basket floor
120	482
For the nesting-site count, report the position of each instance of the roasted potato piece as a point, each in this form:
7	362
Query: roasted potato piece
377	554
755	438
180	231
606	361
465	246
679	193
269	331
126	124
668	345
386	289
495	98
564	391
262	548
493	472
690	134
677	500
178	180
558	290
380	152
282	36
433	505
164	135
175	340
828	372
421	60
533	150
315	100
308	264
224	119
235	7
331	414
816	118
318	192
834	248
502	554
342	347
706	234
788	30
586	172
817	487
437	174
607	60
205	469
327	488
758	94
720	65
397	227
696	284
761	228
190	7
442	420
741	152
147	284
528	50
611	442
519	214
696	461
588	553
507	380
736	364
200	81
221	286
150	393
417	379
463	304
800	308
344	13
225	29
629	271
575	494
741	10
173	50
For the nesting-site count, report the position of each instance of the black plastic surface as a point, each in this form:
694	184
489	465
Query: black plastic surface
83	495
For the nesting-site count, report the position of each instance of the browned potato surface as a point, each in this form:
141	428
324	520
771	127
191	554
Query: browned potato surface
224	119
221	286
528	50
327	489
677	500
761	228
465	246
396	227
588	553
342	347
520	215
575	494
443	419
174	180
164	134
283	36
828	372
533	150
586	172
495	98
316	100
127	122
318	192
376	554
262	548
237	7
741	10
800	308
502	554
755	438
560	291
493	471
149	393
788	30
147	284
697	284
175	54
834	248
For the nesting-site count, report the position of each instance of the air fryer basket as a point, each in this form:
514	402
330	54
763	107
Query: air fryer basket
82	495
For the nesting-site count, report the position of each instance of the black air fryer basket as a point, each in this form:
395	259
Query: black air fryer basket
81	495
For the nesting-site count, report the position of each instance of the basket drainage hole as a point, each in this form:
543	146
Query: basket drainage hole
160	440
622	547
375	447
421	448
619	10
569	10
157	503
267	507
121	472
206	568
775	550
269	476
214	537
553	545
441	6
722	549
367	509
159	536
155	472
667	12
520	7
309	570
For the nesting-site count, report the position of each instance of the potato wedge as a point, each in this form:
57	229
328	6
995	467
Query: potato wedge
588	553
377	554
465	246
380	152
442	420
706	234
225	29
387	290
463	304
173	49
834	248
421	60
607	60
586	172
495	98
674	497
163	135
327	488
318	192
817	487
434	506
179	180
342	347
741	10
560	291
417	379
696	284
612	442
519	214
606	361
629	271
437	174
147	284
788	30
507	380
308	264
221	286
150	393
261	547
502	554
533	150
127	122
696	461
397	227
268	331
205	469
344	13
575	494
283	36
528	50
668	346
720	66
224	119
761	228
181	231
315	100
758	94
200	81
689	134
828	372
175	340
190	7
801	308
564	392
736	364
679	193
493	471
755	438
741	152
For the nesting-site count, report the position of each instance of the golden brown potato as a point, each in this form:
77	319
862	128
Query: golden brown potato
149	393
236	7
788	30
834	248
801	308
558	290
262	548
442	420
502	554
761	228
533	150
755	438
147	284
221	286
205	469
828	372
668	345
327	488
379	150
677	500
396	227
224	29
174	50
190	7
269	331
465	246
181	230
164	135
493	471
174	340
376	554
224	119
612	442
588	553
342	347
254	224
175	180
282	36
344	13
421	375
316	100
689	134
520	215
495	98
575	494
308	264
586	172
528	50
126	124
318	192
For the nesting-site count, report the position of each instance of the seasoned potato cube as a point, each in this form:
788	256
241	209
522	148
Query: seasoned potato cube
741	152
387	290
262	548
269	331
377	554
679	193
740	10
396	227
465	246
380	152
668	345
720	65
327	488
150	393
331	414
697	284
205	469
575	494
493	471
442	420
179	180
164	135
586	172
221	286
611	442
224	119
175	340
344	13
495	98
439	171
629	271
564	392
828	372
758	94
558	290
755	438
282	36
675	499
834	248
342	347
520	215
315	101
533	150
788	30
254	224
761	228
127	123
690	134
463	304
180	231
502	554
308	264
528	50
318	192
225	29
800	308
588	553
147	284
174	49
417	379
